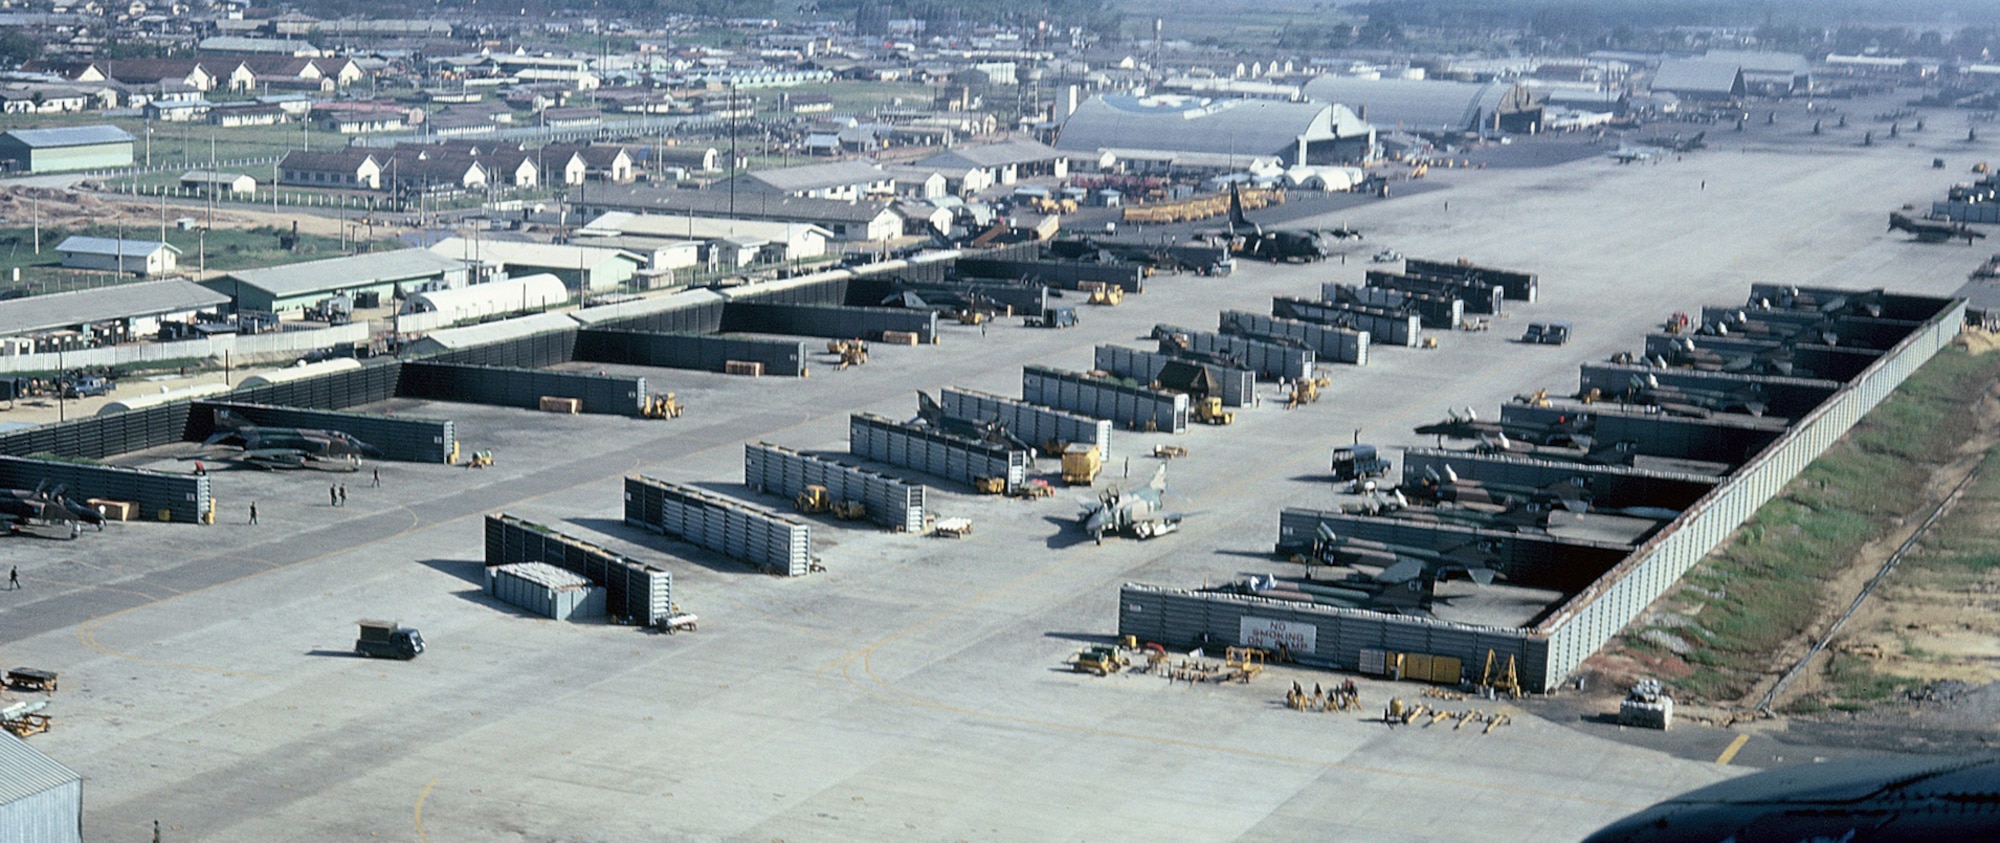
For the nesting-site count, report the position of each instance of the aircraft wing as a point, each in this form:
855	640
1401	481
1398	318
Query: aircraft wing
1401	572
276	457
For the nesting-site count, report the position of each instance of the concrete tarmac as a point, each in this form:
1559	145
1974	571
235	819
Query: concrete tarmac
916	689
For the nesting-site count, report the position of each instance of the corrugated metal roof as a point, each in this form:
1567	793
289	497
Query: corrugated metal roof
505	329
1698	76
70	136
25	771
78	307
1758	61
1418	105
691	227
763	205
993	155
818	176
1188	124
113	246
683	300
339	273
213	177
544	255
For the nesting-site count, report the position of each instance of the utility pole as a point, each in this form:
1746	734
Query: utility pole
735	172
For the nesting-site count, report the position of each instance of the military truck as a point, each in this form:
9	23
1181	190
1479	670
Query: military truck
388	640
1358	462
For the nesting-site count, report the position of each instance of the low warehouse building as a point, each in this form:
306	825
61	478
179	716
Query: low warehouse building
210	181
103	315
41	801
586	268
776	242
65	150
380	275
107	254
849	221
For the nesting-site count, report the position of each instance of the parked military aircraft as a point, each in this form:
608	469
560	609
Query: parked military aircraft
1697	403
1627	155
1406	577
1279	245
27	507
1861	304
931	413
1741	323
1933	232
1573	495
289	447
1566	430
1676	143
1684	354
1137	512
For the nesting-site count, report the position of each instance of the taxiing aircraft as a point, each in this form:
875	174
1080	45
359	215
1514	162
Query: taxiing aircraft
1676	143
1280	245
1627	155
1138	512
1933	232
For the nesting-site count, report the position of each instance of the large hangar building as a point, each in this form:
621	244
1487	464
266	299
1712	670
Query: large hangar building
1192	132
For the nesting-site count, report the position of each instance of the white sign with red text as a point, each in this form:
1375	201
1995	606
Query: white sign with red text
1270	634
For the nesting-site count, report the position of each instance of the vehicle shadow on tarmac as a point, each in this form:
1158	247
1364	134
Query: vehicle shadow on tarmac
335	654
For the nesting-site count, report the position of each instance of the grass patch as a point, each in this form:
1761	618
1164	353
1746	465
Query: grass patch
1768	577
226	249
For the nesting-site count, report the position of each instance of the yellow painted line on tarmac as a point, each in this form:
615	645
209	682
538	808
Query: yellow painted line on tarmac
86	634
1735	746
426	794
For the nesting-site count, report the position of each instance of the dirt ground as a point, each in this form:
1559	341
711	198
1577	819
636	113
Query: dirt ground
1929	636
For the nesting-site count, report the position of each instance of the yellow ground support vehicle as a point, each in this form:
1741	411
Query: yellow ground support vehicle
1102	661
1244	663
1306	391
1209	411
813	500
852	352
661	406
1109	295
1080	464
